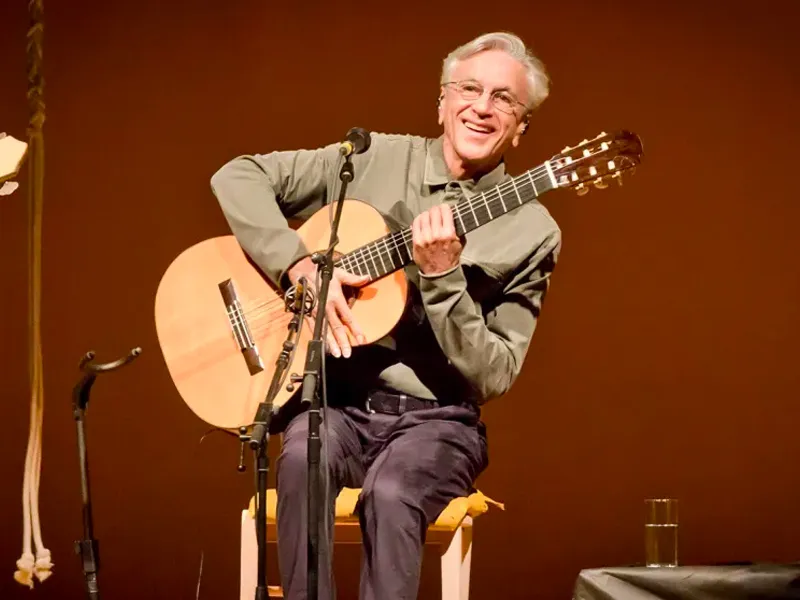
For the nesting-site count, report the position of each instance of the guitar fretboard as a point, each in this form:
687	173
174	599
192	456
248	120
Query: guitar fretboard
394	251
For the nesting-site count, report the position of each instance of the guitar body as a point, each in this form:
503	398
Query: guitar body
196	330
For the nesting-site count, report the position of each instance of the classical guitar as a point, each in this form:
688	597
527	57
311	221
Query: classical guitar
221	324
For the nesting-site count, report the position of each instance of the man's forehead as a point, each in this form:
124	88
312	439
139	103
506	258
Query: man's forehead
493	69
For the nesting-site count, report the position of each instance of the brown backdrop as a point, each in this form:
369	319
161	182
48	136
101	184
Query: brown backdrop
665	363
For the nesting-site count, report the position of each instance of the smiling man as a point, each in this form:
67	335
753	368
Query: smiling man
403	421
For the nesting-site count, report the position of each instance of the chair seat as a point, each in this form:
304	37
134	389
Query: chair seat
450	518
451	533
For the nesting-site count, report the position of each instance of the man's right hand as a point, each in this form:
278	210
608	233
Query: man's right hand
338	314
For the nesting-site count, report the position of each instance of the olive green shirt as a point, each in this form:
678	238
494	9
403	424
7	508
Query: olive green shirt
465	333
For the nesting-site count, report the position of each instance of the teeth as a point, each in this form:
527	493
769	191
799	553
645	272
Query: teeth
472	127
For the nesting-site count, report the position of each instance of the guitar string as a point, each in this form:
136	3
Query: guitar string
360	258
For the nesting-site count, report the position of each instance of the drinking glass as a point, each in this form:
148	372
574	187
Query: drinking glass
661	532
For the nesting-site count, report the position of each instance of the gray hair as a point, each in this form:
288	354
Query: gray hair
538	80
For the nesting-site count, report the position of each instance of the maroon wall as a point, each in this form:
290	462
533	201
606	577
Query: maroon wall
665	363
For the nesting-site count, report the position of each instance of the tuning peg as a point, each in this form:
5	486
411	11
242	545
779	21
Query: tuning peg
592	171
581	189
604	146
602	134
587	152
566	149
618	177
600	183
612	165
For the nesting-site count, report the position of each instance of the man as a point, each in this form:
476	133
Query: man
403	421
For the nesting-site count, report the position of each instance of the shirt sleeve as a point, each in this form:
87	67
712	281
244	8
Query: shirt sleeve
258	192
489	351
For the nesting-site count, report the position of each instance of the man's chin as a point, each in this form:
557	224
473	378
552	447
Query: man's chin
474	153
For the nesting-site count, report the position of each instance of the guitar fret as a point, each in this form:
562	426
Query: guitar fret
358	267
391	255
380	256
457	213
367	260
355	265
388	253
500	195
399	253
363	265
486	202
514	184
530	176
372	258
474	216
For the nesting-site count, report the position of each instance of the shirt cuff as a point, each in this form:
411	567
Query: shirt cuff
441	285
433	276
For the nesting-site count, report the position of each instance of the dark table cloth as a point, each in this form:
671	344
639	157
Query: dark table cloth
723	582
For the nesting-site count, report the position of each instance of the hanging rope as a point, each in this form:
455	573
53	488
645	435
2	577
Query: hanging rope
28	565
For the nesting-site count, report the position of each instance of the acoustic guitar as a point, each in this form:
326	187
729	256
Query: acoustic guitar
221	324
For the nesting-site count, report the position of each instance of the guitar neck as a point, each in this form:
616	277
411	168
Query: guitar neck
394	251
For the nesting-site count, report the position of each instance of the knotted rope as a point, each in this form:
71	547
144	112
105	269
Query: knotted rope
28	565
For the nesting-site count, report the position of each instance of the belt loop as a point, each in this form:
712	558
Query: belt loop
402	405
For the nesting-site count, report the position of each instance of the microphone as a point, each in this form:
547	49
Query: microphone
299	292
358	141
293	299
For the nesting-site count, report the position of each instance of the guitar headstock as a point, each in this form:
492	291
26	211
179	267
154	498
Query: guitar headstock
597	162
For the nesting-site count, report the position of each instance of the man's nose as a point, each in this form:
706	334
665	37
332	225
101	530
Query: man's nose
483	104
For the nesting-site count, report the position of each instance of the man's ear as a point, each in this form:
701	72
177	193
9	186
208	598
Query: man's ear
521	129
439	108
526	123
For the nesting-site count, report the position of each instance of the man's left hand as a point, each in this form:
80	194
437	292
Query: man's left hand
437	248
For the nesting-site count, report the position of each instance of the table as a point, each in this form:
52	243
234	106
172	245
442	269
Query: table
751	581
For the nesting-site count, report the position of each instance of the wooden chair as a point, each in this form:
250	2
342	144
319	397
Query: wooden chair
451	533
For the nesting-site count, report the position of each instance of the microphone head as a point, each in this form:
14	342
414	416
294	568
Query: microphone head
360	139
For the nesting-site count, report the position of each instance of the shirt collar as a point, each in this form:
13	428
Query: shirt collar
437	173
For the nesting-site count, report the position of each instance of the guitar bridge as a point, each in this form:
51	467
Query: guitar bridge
240	328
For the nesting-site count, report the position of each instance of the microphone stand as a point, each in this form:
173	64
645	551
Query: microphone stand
296	301
87	548
314	359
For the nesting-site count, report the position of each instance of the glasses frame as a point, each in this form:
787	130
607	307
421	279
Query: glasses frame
493	96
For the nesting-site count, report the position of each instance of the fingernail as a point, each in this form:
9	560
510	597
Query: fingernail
346	351
335	352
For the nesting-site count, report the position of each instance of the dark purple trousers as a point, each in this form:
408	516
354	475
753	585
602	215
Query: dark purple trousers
409	466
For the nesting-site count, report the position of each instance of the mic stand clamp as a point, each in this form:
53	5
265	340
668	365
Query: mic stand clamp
88	548
310	397
299	300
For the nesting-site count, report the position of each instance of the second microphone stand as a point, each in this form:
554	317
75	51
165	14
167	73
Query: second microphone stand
87	548
311	378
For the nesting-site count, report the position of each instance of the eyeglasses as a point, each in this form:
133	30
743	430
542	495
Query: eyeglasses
471	90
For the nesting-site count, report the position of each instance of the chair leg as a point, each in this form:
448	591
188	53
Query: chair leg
248	558
456	562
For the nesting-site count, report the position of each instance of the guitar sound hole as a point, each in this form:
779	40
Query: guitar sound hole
351	294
